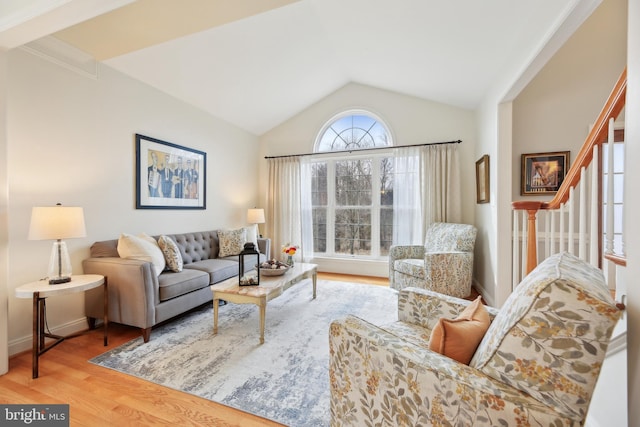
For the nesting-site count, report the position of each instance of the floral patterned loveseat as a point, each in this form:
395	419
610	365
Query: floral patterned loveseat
444	264
536	365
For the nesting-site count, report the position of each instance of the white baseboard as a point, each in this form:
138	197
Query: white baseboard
25	343
483	292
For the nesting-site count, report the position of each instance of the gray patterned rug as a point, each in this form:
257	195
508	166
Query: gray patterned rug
286	379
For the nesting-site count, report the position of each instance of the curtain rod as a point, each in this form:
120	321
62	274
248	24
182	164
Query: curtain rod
363	149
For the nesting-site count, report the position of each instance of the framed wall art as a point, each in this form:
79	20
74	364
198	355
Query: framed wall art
169	176
482	180
543	173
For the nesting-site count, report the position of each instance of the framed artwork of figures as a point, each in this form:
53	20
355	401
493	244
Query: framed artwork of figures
169	176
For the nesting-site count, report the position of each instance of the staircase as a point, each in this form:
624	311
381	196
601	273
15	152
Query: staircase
585	218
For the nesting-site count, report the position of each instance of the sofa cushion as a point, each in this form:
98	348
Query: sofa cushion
217	269
231	241
412	267
458	338
140	247
172	284
171	253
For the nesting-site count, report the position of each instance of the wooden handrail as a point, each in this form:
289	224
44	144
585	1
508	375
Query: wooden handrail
598	134
612	108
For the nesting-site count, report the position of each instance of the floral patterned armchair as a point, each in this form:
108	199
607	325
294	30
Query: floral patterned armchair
536	365
444	264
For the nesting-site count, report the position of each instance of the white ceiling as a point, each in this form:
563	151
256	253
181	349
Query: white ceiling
259	70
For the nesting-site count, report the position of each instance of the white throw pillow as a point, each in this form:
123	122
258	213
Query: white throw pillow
171	253
137	247
231	242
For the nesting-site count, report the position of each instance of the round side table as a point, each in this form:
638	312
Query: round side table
40	290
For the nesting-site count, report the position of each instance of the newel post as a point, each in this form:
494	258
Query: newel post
532	209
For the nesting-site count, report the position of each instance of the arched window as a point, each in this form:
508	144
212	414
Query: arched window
353	130
352	192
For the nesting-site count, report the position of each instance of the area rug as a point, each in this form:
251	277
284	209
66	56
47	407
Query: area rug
286	379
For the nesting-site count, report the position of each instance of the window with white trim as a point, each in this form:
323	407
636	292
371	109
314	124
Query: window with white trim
352	190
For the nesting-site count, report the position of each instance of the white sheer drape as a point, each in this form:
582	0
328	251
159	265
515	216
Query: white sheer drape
289	212
407	197
426	190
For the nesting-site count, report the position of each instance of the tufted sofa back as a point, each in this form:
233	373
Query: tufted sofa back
193	246
198	246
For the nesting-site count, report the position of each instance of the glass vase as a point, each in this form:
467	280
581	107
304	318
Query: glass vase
289	261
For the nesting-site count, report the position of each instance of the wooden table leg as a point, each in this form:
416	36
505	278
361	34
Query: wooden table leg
106	312
36	334
263	308
314	279
216	303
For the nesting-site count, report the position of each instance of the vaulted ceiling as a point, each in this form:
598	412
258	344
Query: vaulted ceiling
256	63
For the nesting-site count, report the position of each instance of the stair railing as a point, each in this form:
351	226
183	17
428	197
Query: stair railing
573	220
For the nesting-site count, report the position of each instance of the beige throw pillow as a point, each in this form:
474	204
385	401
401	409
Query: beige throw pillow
459	338
171	253
231	242
140	247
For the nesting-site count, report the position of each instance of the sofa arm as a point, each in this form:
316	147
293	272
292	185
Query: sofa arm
132	288
424	307
376	378
264	246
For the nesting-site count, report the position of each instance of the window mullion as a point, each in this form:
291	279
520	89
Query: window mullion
375	208
331	206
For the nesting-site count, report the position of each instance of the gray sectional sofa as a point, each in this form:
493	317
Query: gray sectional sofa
137	297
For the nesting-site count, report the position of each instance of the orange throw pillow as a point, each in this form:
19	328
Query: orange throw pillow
459	338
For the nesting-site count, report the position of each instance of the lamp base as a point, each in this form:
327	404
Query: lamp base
59	280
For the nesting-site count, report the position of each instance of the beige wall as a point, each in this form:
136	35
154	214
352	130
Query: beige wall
4	305
632	205
555	111
71	140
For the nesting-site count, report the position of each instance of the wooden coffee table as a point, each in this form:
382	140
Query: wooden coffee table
270	287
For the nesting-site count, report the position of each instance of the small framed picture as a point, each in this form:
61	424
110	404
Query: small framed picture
482	180
169	176
543	173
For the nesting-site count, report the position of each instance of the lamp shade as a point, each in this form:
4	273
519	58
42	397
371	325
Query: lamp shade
255	216
56	222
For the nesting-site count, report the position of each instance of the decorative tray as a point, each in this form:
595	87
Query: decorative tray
273	268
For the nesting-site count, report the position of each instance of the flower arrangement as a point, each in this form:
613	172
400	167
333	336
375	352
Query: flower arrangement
289	249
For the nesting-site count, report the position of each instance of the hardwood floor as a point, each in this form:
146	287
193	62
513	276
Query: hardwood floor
102	397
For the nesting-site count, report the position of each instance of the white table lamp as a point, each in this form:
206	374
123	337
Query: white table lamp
256	216
57	223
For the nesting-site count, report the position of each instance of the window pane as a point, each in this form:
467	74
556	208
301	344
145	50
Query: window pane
386	229
319	230
353	231
353	183
386	182
319	184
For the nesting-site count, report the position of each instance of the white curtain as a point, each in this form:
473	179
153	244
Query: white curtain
426	190
289	218
440	165
407	197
